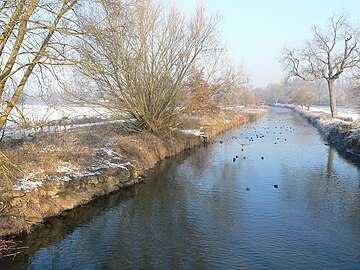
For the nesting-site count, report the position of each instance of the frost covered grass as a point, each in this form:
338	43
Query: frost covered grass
344	133
66	156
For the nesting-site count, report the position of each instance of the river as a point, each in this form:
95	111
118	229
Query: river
202	210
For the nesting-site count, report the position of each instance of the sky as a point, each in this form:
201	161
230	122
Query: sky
257	30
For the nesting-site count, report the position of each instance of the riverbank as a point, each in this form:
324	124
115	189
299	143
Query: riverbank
342	132
60	171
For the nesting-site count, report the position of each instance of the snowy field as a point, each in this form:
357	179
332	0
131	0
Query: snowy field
353	113
43	112
75	116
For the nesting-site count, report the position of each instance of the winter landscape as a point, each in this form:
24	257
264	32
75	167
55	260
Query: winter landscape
193	135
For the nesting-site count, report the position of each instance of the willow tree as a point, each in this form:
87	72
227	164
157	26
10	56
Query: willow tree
330	53
137	55
31	35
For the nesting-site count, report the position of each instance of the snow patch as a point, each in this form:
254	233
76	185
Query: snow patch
57	178
84	174
110	152
27	184
196	132
342	112
108	164
63	169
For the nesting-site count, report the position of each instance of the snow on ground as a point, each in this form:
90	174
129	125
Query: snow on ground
347	112
44	112
108	164
196	132
67	174
66	168
110	152
66	171
37	114
27	184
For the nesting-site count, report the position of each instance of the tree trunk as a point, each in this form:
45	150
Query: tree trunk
332	96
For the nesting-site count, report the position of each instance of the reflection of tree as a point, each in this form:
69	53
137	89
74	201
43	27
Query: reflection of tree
56	229
323	186
330	162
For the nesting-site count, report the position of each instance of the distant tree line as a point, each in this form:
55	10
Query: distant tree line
308	93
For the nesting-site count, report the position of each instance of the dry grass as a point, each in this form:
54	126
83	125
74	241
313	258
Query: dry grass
45	153
9	171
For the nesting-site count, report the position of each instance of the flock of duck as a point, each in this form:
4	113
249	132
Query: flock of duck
267	132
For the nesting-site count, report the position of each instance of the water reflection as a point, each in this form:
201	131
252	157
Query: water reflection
330	162
194	211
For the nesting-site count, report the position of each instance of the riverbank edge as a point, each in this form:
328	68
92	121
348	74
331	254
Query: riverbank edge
341	133
30	209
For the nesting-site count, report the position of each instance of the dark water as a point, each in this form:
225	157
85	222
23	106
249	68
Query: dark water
194	211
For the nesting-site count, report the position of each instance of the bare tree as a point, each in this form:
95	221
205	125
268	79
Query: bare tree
31	36
304	97
228	82
329	54
138	54
274	93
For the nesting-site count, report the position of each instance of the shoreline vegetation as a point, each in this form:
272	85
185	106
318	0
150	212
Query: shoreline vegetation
62	171
341	132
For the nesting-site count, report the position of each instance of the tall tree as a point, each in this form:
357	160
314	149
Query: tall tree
328	55
137	55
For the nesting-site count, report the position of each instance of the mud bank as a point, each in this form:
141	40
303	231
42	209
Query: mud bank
117	162
340	132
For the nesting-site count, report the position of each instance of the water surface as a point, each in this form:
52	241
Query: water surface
194	212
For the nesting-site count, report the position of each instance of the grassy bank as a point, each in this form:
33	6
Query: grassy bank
342	132
60	171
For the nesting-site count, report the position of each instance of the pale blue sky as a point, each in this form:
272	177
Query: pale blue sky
256	30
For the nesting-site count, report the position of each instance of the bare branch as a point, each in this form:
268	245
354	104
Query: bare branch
327	56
